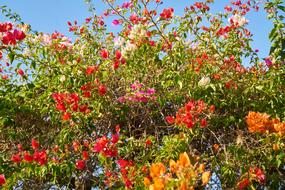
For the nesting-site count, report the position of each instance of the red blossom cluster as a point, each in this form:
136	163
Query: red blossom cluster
39	156
192	113
66	102
254	174
118	59
9	37
63	100
167	13
107	146
125	166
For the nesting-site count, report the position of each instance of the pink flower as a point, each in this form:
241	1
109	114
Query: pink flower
268	62
116	22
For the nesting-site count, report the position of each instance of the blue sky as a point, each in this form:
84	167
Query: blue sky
50	15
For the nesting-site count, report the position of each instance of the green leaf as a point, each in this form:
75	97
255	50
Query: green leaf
282	8
11	56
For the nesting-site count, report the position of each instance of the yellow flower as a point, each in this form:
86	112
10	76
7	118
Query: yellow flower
173	166
206	177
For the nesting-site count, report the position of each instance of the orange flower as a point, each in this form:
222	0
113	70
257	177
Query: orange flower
216	147
158	184
280	128
157	170
184	160
257	122
146	181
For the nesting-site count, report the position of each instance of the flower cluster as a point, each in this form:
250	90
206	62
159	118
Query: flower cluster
137	94
254	174
182	175
107	146
192	113
63	100
167	13
39	156
126	173
9	37
237	20
261	123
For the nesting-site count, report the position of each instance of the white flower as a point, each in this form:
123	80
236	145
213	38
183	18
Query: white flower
46	39
119	41
27	52
204	81
62	78
238	20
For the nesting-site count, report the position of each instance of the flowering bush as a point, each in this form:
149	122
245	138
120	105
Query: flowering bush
165	103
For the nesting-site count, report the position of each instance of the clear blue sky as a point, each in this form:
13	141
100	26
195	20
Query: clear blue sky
50	15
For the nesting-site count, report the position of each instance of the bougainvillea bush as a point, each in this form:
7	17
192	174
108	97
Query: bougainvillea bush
166	102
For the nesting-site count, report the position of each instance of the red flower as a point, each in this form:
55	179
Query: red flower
19	35
123	163
85	155
116	65
91	69
243	184
1	55
170	119
83	108
28	157
9	39
4	27
4	77
118	54
167	13
100	144
66	116
260	175
212	108
115	138
102	90
80	164
2	179
123	61
20	148
104	54
35	144
60	106
128	183
40	157
16	158
117	128
20	72
148	142
203	122
87	94
75	107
